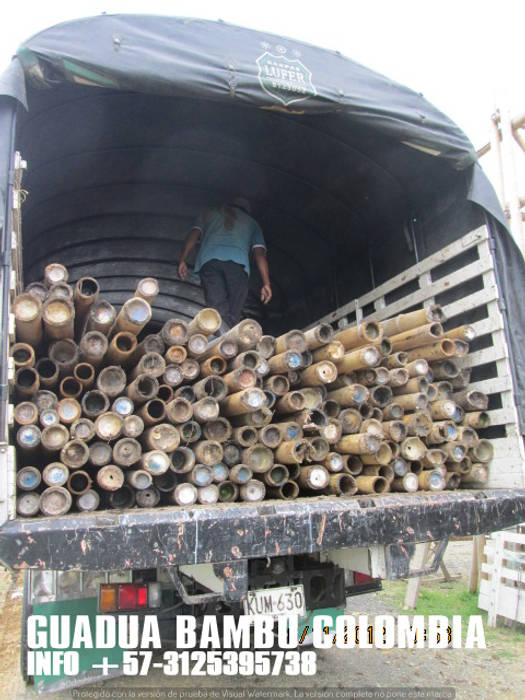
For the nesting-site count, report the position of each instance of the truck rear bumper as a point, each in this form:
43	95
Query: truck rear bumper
138	539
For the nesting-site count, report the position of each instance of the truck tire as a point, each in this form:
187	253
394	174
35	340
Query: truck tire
27	610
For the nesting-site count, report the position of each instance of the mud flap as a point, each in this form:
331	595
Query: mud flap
88	659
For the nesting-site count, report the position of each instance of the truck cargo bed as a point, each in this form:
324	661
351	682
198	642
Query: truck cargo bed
175	536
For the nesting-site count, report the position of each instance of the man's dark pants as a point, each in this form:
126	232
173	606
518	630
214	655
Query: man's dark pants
225	286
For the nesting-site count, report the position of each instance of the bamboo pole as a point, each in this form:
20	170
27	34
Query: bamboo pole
431	480
252	491
266	346
270	436
69	410
152	412
93	347
313	478
101	317
26	413
58	316
82	429
55	501
293	340
214	365
27	310
288	491
126	452
413	319
442	350
100	453
477	419
83	373
65	353
94	403
243	401
147	289
240	474
418	424
319	374
151	364
70	388
219	429
108	426
185	495
179	410
258	457
367	356
155	462
371	484
84	296
122	348
361	334
88	501
246	334
163	436
112	381
37	289
350	396
174	332
413	449
207	322
74	454
142	389
285	361
53	439
132	426
408	483
139	479
23	355
133	316
55	273
417	337
110	477
55	474
332	352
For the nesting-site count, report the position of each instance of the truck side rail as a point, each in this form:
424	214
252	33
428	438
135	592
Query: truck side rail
461	278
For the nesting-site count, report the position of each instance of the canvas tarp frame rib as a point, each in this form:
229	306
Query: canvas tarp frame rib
241	69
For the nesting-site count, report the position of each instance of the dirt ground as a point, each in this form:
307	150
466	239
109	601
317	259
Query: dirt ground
496	672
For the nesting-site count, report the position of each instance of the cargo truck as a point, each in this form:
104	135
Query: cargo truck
115	132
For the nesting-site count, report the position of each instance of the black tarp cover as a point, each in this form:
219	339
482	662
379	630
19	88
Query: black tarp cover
380	154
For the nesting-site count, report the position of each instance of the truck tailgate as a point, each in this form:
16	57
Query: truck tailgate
170	536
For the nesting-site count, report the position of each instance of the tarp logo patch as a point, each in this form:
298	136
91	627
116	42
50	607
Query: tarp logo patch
285	79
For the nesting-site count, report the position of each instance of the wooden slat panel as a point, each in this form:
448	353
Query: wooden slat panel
510	603
493	386
504	448
509	574
509	464
474	301
456	248
507	480
482	357
444	284
502	416
488	325
512	536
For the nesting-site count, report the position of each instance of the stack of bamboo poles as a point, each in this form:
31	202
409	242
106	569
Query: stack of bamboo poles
108	416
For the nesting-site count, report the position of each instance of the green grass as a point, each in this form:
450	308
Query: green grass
454	599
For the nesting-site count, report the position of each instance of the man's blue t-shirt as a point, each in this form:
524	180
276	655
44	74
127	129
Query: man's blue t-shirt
219	242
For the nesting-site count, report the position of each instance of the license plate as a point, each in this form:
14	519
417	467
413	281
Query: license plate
288	600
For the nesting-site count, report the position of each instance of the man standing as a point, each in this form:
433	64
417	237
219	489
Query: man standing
229	234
